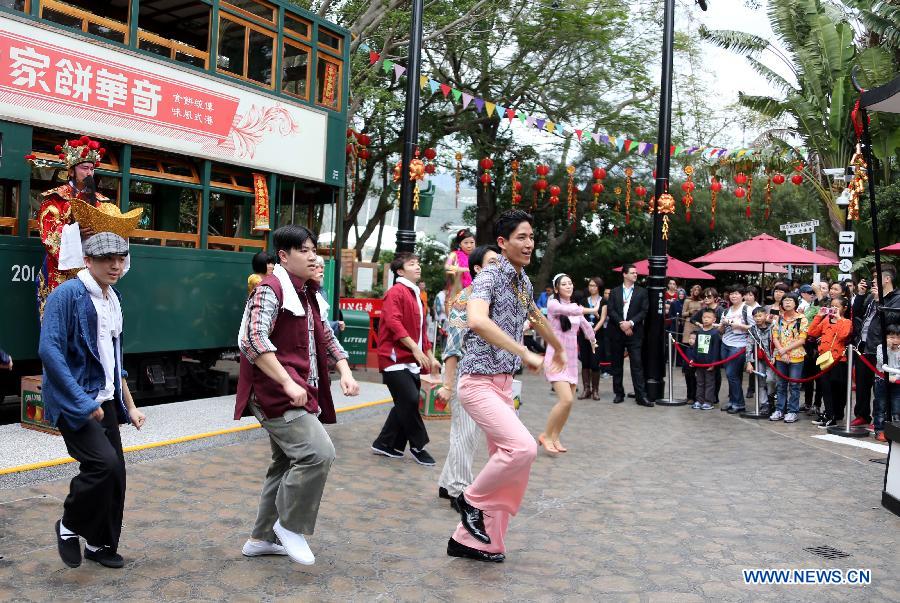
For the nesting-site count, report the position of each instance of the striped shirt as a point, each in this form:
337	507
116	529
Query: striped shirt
260	315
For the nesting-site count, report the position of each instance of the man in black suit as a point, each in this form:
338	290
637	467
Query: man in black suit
627	309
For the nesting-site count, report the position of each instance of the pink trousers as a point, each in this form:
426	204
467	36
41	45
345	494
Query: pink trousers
499	488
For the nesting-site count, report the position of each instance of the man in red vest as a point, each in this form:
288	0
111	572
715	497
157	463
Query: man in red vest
285	345
403	351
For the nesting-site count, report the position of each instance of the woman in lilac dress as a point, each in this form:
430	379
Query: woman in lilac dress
566	318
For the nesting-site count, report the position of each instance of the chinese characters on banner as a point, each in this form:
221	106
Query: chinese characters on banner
261	204
38	69
329	89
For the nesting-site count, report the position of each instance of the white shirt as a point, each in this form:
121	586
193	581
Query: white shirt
412	367
732	337
627	293
109	326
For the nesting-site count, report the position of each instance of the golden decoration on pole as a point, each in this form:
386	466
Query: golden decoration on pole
570	195
617	209
416	173
628	174
666	206
458	174
858	184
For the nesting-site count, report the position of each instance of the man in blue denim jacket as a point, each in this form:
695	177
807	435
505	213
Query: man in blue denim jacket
85	396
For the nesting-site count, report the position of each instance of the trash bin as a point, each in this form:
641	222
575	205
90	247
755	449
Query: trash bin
426	200
355	336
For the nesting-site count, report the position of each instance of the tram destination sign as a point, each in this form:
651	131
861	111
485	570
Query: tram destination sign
50	79
797	228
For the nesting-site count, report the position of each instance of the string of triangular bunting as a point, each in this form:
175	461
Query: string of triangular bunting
623	144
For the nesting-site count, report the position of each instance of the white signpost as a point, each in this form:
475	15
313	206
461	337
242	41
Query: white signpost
797	228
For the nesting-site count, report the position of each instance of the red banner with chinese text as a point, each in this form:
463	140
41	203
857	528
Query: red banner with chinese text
260	204
329	91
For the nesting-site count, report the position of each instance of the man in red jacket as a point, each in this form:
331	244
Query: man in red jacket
403	351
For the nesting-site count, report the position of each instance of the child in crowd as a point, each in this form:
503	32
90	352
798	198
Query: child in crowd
706	351
890	364
690	373
760	338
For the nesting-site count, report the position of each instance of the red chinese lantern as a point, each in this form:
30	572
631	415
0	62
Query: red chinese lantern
486	179
740	179
517	186
599	173
350	149
517	198
429	168
542	170
778	179
797	179
597	188
740	192
640	190
688	186
364	140
430	154
541	184
554	194
715	186
486	164
364	154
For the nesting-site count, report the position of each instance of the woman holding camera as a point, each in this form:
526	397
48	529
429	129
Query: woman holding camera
833	329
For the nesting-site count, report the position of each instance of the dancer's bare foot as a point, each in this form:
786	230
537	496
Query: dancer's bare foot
548	445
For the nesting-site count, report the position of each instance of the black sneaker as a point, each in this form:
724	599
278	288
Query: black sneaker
104	556
827	424
422	457
69	548
385	451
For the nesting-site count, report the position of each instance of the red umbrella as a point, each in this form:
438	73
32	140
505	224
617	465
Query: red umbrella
827	253
675	268
765	249
744	267
894	249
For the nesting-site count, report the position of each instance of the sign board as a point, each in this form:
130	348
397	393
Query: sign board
795	228
844	277
845	250
845	265
54	80
847	236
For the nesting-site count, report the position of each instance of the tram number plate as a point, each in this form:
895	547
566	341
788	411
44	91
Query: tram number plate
23	273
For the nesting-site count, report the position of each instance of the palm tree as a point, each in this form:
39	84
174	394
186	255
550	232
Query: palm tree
819	54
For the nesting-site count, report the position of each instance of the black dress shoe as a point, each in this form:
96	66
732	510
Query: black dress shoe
104	556
69	548
455	549
618	399
645	402
472	520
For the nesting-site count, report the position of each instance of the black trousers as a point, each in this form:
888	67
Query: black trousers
96	501
404	424
690	380
617	346
590	359
834	384
813	391
865	379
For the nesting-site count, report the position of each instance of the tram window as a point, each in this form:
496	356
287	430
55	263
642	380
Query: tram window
179	32
171	214
104	19
260	58
252	8
294	25
9	206
231	46
231	217
295	69
18	5
329	39
226	176
328	82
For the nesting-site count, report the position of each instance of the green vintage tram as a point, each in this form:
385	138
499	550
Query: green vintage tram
197	102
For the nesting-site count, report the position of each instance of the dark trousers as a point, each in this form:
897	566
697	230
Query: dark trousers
706	385
96	501
813	391
617	346
404	423
690	380
834	386
590	359
865	378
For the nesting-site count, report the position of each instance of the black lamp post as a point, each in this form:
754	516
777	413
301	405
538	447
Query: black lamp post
406	234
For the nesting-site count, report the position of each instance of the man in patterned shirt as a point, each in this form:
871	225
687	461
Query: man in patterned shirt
500	303
285	342
464	433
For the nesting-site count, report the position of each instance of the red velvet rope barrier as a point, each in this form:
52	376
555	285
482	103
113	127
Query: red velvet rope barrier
711	364
804	379
865	361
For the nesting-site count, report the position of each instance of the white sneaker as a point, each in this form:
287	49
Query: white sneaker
294	545
791	417
255	548
776	416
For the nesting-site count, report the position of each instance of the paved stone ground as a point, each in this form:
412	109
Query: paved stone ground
662	504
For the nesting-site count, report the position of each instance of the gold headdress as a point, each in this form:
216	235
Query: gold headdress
106	218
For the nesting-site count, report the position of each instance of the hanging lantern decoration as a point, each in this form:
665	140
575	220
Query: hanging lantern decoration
617	209
430	155
571	201
688	187
554	195
715	187
352	158
768	197
740	178
628	174
398	167
541	184
797	178
641	191
857	186
778	179
597	188
749	194
416	173
458	174
740	192
486	164
666	206
516	186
